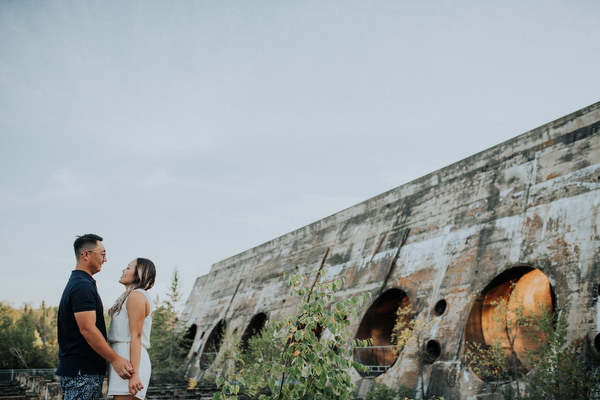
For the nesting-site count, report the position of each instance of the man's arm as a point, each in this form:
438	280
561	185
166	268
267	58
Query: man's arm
86	321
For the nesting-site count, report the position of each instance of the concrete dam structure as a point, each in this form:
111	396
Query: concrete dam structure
520	216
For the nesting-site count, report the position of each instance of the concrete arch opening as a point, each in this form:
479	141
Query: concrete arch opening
188	338
378	325
254	327
213	344
522	289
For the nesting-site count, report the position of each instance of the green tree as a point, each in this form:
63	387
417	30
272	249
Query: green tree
23	338
6	321
499	362
381	391
168	344
558	369
304	367
264	347
46	322
46	355
21	343
412	330
561	370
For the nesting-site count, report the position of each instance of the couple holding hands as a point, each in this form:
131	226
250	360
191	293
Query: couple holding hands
82	339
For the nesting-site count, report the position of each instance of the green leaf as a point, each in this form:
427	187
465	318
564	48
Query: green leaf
339	284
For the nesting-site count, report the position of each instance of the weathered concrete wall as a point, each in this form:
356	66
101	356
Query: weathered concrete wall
532	201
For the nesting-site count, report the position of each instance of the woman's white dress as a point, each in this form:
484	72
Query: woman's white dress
119	337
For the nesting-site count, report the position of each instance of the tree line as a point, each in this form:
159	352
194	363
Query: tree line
28	337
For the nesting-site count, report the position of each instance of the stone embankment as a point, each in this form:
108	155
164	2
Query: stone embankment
13	390
30	387
180	392
33	387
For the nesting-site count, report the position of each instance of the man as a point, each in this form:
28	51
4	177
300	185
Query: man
82	347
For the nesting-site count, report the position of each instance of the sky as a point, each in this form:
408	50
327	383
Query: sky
190	131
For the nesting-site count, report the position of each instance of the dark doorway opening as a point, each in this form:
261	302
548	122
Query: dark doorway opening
254	327
188	338
378	325
213	344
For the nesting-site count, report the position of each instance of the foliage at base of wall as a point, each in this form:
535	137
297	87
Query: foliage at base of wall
381	391
290	358
562	370
558	369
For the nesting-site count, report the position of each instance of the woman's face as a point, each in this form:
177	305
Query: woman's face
128	274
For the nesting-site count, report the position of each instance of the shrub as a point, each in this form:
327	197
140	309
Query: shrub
383	392
290	360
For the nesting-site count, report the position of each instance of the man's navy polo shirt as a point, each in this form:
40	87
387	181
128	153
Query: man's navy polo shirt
74	353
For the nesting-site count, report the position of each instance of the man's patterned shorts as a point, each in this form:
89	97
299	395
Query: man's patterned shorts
82	387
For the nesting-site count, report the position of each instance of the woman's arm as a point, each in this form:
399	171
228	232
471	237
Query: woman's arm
137	307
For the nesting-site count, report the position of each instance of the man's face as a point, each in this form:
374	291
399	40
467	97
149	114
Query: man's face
97	257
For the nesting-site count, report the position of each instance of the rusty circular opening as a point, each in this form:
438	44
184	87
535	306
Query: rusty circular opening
522	290
213	344
433	350
254	327
597	342
440	308
378	325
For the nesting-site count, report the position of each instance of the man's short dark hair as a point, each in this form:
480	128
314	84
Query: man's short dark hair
85	242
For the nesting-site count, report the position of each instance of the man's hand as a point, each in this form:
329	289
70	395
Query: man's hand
122	367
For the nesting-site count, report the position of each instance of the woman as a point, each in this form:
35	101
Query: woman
129	332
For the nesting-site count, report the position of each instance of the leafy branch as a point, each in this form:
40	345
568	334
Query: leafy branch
314	348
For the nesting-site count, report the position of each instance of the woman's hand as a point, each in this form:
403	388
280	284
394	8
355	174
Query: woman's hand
135	384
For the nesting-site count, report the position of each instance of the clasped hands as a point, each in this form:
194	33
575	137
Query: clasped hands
123	368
